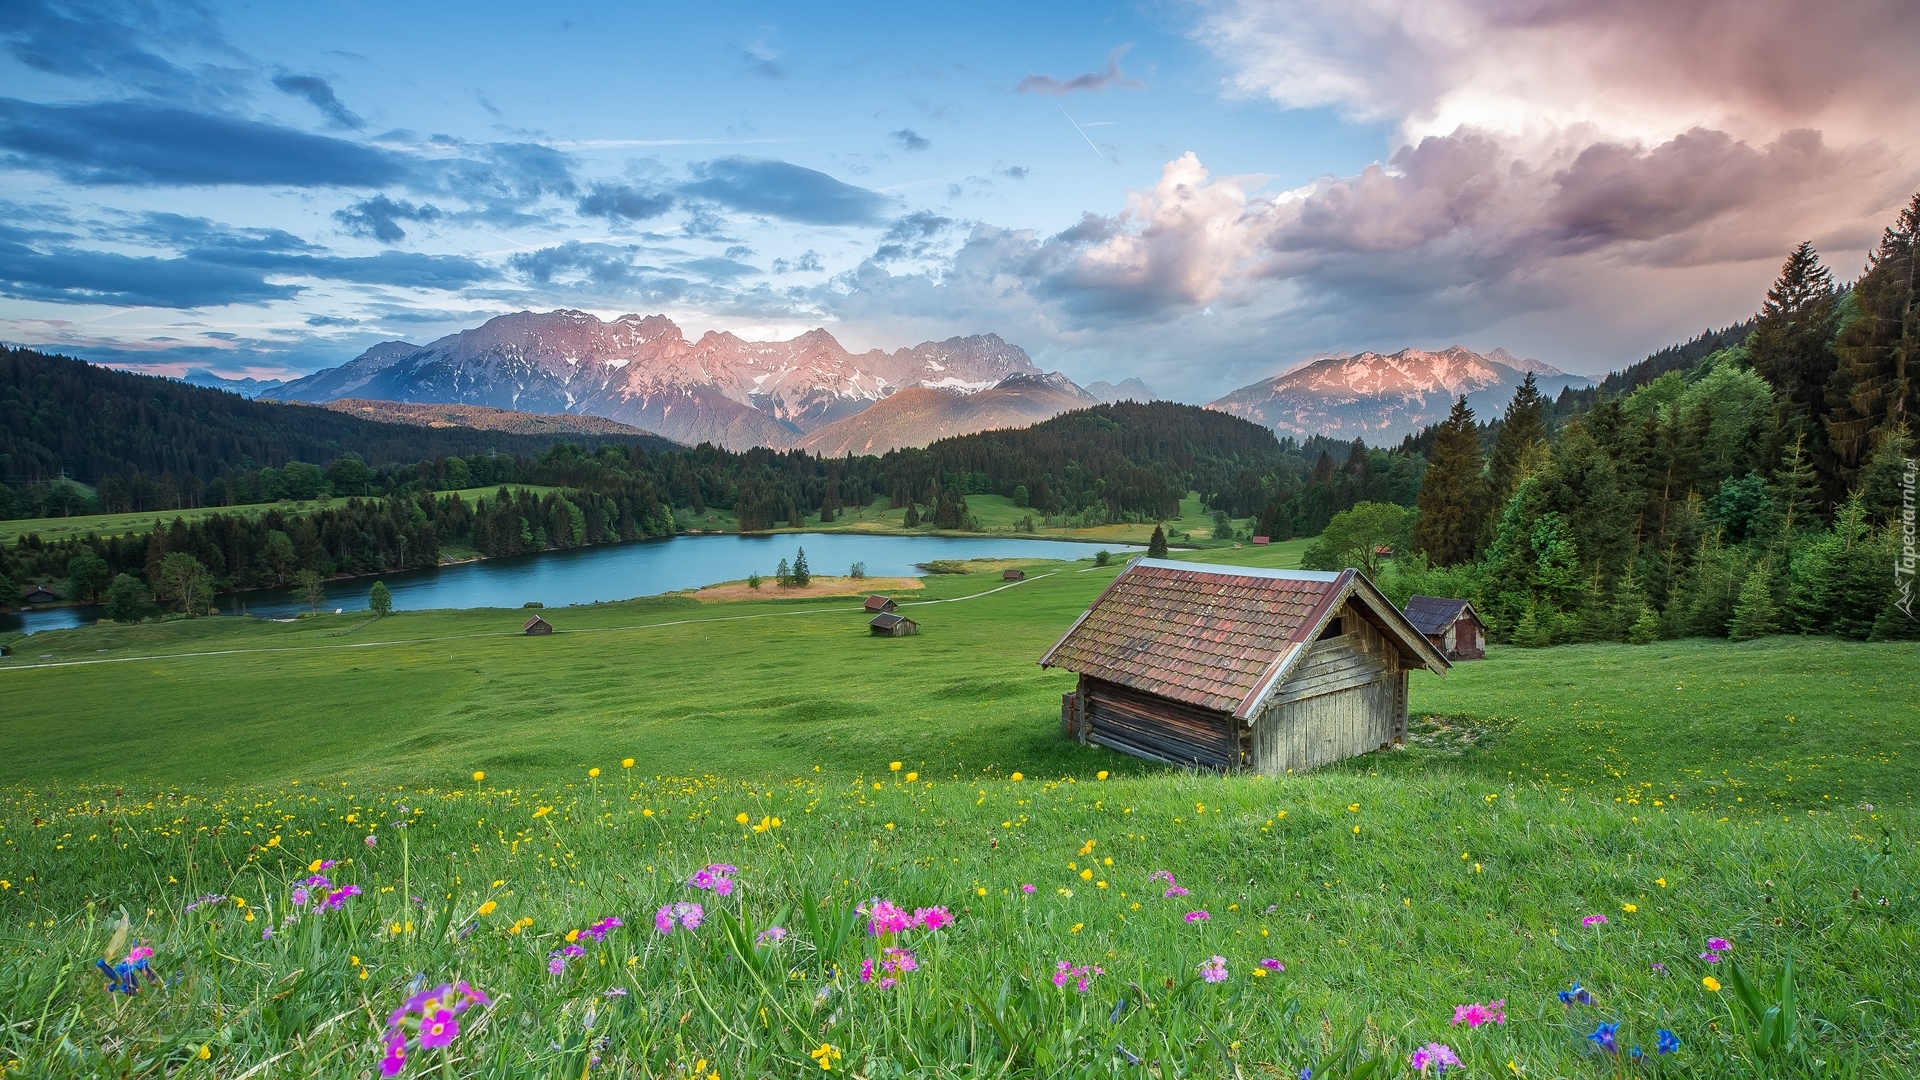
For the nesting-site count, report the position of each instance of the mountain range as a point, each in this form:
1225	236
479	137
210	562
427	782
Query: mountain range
642	371
1380	398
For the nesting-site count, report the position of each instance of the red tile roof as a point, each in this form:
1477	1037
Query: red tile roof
1201	634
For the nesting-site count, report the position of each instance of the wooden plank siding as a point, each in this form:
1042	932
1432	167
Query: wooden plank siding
1159	729
1348	696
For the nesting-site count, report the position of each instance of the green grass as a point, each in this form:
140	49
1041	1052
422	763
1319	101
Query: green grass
1769	799
68	528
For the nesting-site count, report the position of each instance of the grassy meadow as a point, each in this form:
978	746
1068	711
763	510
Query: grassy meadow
1762	793
81	525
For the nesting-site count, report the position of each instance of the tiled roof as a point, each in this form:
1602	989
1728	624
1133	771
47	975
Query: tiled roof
1432	614
1199	634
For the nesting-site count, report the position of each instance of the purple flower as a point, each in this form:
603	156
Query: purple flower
1659	968
1710	957
571	951
772	935
885	918
1594	920
717	877
1214	969
338	897
1161	875
1273	965
687	915
438	1028
1173	891
1198	916
1435	1055
1719	944
1576	996
893	963
1493	1012
300	896
1603	1037
555	965
1026	888
210	898
396	1056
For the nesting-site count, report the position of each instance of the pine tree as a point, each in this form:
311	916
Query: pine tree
1532	632
1645	629
1754	614
782	574
1157	544
1791	348
1877	377
1793	493
801	575
913	517
1880	481
1524	425
1453	498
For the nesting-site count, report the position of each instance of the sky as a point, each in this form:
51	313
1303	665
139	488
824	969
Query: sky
1200	193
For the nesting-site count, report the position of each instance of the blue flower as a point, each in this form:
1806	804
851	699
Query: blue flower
1668	1042
1576	996
1603	1038
1306	1074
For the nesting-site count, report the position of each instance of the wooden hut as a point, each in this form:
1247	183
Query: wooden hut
537	625
1262	541
1013	575
877	604
1451	625
39	594
888	624
1238	668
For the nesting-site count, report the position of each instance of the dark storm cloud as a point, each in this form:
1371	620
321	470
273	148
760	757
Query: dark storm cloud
783	190
319	93
130	142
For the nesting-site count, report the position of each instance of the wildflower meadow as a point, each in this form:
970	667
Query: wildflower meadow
902	923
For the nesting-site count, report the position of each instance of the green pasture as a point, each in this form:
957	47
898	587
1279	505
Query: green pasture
70	528
1762	792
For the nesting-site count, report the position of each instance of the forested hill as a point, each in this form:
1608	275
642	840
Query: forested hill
57	413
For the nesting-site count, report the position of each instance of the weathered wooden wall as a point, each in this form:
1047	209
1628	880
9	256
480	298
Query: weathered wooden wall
1159	729
1346	697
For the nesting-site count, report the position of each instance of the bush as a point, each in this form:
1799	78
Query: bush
858	571
753	581
1102	558
127	599
380	600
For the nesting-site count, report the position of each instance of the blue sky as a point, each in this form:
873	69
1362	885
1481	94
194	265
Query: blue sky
1201	194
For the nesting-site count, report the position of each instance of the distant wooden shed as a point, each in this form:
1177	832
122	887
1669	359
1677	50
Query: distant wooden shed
1451	625
888	624
538	625
1013	575
39	594
877	603
1262	541
1236	668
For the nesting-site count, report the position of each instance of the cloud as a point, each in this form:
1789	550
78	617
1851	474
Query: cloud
911	237
1091	82
113	44
129	142
1016	172
624	202
320	94
72	276
380	217
909	139
783	190
763	61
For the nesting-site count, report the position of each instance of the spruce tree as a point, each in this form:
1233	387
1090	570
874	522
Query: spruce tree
1877	375
1645	629
913	516
782	574
801	575
1754	614
1791	347
1532	632
1157	544
1523	425
1453	498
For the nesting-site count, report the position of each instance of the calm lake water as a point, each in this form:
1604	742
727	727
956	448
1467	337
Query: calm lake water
618	572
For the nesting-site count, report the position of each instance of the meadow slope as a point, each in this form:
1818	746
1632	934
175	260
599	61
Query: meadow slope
1760	792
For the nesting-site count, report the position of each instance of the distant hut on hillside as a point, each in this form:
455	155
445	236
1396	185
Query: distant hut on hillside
888	624
1262	541
1451	625
537	626
876	604
39	594
1013	575
1237	668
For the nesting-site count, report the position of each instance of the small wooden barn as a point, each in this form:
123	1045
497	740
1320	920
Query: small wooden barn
537	626
1013	575
876	604
39	594
1451	625
888	624
1262	541
1237	668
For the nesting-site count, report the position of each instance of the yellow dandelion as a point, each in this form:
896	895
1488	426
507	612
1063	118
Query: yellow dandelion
1016	778
741	817
893	766
1077	927
981	891
1660	881
478	776
593	772
1101	775
1711	983
1086	875
912	776
1629	908
488	907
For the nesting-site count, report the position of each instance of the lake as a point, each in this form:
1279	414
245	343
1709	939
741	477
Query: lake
617	572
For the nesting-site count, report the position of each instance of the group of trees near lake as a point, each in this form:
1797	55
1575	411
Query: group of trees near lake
1760	486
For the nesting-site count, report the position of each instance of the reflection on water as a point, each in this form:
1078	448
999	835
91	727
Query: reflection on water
616	572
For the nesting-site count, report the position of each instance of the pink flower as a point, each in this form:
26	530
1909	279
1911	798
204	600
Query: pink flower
893	962
1214	969
663	919
139	953
1160	875
371	841
687	915
556	965
772	935
885	918
932	918
1273	965
1591	920
1081	975
1493	1012
1198	916
717	877
1719	944
396	1056
1026	888
1435	1054
438	1028
1173	891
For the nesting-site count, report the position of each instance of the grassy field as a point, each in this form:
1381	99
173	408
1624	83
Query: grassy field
997	514
67	528
1761	792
